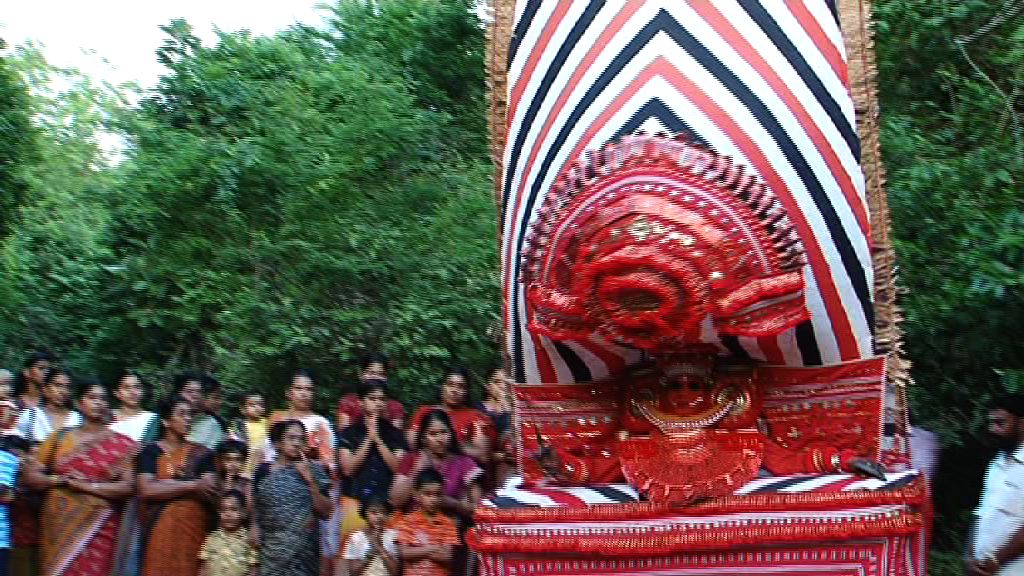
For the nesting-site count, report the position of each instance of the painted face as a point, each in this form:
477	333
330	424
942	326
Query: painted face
374	403
93	404
374	370
230	514
436	437
428	497
453	391
254	407
300	394
129	391
58	390
192	391
179	420
231	464
292	443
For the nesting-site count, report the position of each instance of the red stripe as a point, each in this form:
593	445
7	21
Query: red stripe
613	27
544	365
753	57
536	51
819	266
813	29
772	351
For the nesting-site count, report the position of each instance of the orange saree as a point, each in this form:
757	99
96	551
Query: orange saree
175	529
79	531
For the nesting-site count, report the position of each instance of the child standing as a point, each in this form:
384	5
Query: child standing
251	428
230	463
426	537
372	551
12	450
227	551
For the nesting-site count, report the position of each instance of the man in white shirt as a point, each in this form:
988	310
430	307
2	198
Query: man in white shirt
996	542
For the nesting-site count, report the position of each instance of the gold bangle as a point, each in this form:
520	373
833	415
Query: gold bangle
837	463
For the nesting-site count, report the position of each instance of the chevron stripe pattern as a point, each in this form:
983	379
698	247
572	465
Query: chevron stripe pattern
762	81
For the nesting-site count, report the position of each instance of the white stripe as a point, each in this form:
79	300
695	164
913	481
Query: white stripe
815	59
812	484
828	24
874	483
527	497
529	41
598	369
753	349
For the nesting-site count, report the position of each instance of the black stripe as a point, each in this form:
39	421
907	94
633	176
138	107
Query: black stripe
784	483
899	483
834	10
507	502
768	25
518	363
664	22
613	493
657	109
734	346
807	342
522	27
579	369
844	246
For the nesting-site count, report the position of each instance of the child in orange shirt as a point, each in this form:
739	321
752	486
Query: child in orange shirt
426	537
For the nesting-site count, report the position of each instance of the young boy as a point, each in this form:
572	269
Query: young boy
427	538
230	461
227	551
207	426
13	449
251	428
372	551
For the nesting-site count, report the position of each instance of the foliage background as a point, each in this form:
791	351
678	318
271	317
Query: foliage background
298	199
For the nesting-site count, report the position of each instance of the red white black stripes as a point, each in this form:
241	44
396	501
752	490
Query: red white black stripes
761	81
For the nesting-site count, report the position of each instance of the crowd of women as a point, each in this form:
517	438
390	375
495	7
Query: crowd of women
91	483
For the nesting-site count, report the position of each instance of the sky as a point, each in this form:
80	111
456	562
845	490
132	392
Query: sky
116	40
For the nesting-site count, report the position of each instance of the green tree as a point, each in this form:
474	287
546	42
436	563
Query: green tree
16	141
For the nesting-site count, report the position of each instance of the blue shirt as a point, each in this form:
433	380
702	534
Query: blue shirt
8	474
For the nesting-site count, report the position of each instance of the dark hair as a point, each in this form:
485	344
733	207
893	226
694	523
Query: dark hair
51	375
302	373
374	502
232	446
437	415
180	380
166	407
249	394
370	385
83	385
277	429
209	384
233	493
428	476
456	371
20	385
1012	403
373	358
15	442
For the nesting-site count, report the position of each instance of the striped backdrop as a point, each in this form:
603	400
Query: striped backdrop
763	81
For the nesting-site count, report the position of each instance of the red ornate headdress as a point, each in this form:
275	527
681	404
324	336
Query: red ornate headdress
643	240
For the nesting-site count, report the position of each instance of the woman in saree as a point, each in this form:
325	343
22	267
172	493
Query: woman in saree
291	495
177	486
143	426
436	447
473	429
86	473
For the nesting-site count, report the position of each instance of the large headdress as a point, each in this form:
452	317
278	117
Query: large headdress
648	240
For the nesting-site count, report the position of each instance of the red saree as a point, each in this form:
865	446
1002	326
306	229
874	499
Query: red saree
79	531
